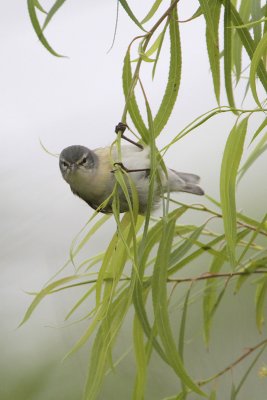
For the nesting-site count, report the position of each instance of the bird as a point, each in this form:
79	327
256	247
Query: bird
90	175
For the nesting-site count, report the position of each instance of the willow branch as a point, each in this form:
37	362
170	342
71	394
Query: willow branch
233	364
204	276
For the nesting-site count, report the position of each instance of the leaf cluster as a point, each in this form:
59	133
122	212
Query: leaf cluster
146	255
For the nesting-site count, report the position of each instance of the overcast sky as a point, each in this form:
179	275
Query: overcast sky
79	100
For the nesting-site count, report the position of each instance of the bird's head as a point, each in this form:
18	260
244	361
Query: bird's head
76	160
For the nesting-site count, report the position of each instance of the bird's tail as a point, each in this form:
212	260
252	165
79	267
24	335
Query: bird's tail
183	182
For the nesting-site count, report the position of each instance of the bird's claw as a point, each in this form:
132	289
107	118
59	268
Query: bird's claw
121	127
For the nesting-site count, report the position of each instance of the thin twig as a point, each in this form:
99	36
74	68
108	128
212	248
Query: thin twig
204	276
200	207
233	364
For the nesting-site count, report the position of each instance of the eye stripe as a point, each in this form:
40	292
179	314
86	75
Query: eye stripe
82	160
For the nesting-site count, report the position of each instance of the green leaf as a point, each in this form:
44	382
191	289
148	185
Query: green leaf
130	13
206	7
184	248
141	359
250	368
160	305
256	14
159	48
213	395
212	39
37	28
260	300
128	88
209	297
228	37
260	51
46	291
74	251
203	247
103	343
171	91
260	128
248	43
52	12
151	50
39	6
152	11
259	149
80	301
231	158
182	334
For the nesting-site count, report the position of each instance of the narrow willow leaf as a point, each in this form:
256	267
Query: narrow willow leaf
256	14
52	11
160	305
171	91
260	299
39	6
248	44
184	248
250	368
152	11
46	291
209	297
260	128
152	49
180	396
80	301
87	237
145	247
209	247
249	24
212	39
260	52
138	299
232	394
182	334
159	48
37	28
259	149
228	37
128	88
141	359
209	17
183	324
231	158
103	344
241	217
196	14
213	395
131	14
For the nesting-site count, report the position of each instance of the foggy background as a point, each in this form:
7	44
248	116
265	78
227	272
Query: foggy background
79	100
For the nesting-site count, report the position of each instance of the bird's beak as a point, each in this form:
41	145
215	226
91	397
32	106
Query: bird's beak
73	167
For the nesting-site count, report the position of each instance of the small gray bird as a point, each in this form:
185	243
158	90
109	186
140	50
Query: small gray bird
90	175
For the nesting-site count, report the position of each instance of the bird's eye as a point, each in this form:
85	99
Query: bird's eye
65	165
84	160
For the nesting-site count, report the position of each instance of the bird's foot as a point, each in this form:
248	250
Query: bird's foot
121	127
120	164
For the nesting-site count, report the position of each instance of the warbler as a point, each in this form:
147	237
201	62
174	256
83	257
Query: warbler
90	174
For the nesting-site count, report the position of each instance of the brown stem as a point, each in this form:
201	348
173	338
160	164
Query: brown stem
233	364
200	207
206	275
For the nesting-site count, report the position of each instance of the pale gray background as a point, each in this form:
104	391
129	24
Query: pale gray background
79	100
